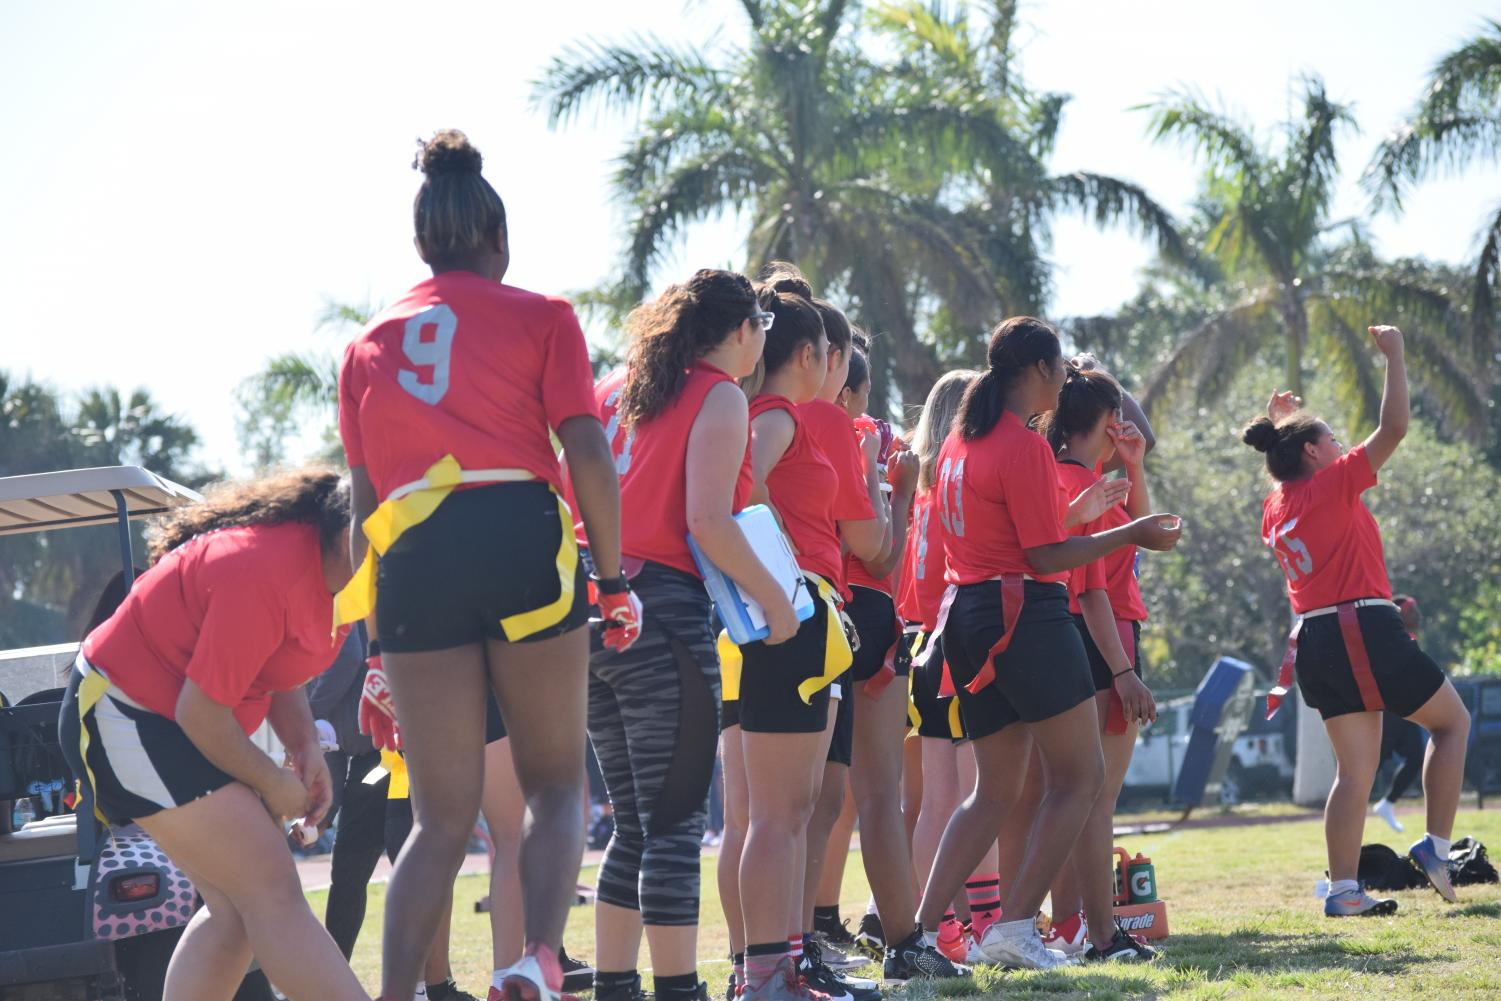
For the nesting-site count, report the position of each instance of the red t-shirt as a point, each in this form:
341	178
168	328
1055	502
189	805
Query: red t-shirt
998	496
465	366
923	566
244	612
652	462
1327	542
802	486
834	431
1115	572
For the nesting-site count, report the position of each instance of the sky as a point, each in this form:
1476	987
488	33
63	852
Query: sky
187	184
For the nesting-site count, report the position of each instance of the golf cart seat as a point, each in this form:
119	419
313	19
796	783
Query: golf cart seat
49	838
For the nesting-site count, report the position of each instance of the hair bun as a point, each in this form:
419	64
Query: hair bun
448	152
1260	434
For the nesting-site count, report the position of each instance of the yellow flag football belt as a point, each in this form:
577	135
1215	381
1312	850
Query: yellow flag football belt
837	655
415	502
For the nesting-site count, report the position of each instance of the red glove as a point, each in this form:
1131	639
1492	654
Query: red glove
619	612
378	709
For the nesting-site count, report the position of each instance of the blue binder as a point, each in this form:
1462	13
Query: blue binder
741	615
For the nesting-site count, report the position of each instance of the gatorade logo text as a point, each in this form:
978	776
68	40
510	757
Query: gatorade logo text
1138	922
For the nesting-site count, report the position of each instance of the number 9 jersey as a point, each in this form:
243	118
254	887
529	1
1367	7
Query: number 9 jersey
1325	538
467	367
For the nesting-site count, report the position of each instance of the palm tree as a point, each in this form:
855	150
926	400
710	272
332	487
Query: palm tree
1456	124
878	177
1284	285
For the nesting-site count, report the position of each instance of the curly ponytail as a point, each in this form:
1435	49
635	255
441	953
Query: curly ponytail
667	336
1085	396
317	497
1016	344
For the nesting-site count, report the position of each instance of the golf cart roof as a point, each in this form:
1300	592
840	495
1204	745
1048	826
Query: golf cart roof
41	501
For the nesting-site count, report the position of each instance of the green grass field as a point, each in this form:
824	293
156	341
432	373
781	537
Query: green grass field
1240	906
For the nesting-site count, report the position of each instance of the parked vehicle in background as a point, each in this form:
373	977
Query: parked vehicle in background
1261	763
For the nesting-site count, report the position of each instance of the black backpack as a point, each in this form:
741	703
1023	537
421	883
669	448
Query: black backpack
1381	868
1469	865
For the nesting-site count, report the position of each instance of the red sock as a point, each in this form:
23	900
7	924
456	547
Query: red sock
984	892
795	946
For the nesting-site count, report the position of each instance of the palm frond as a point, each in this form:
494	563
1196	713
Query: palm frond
301	379
616	77
1429	147
1483	296
1228	147
695	189
1108	200
1471	74
919	28
1312	163
1347	354
1212	353
337	314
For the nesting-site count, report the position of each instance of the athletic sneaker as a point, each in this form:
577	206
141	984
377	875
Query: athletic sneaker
815	956
1436	868
631	993
1122	948
1021	949
870	939
448	990
826	981
913	959
732	990
783	984
951	940
1387	812
577	975
538	977
1357	904
834	957
1069	936
834	932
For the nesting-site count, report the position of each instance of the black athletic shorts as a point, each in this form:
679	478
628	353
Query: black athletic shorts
1103	679
937	717
1042	673
484	555
1405	676
874	615
842	746
141	763
769	676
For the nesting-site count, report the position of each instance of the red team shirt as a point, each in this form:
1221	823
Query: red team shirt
244	612
800	485
1327	542
834	431
465	366
1114	573
923	564
998	496
652	462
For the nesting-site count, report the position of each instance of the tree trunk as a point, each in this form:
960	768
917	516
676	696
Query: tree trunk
1296	318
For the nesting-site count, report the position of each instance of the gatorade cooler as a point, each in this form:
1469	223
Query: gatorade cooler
1137	906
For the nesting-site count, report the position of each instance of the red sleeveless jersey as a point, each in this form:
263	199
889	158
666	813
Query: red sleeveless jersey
831	426
998	496
465	366
803	485
1325	538
923	564
652	462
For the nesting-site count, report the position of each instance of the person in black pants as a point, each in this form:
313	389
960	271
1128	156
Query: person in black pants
1399	736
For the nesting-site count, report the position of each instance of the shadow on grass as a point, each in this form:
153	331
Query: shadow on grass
1479	911
1250	949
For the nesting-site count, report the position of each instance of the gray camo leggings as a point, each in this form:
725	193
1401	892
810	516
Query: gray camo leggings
653	720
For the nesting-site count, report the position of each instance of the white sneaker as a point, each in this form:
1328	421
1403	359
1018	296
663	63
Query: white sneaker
1388	812
1074	945
1022	950
975	957
526	981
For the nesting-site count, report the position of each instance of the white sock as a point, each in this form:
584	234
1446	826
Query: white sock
870	908
1338	886
1381	805
930	939
1441	846
421	994
497	979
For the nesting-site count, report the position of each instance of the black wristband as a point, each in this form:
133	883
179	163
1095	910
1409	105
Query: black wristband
611	585
1117	674
372	649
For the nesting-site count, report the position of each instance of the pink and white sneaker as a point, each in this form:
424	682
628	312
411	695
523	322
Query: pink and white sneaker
538	977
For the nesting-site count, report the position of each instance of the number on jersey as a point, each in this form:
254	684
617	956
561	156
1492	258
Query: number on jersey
951	497
922	542
433	353
1294	556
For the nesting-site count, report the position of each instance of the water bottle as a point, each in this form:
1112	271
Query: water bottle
24	813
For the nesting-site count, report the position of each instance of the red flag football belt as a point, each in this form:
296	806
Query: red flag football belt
1012	597
1360	661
